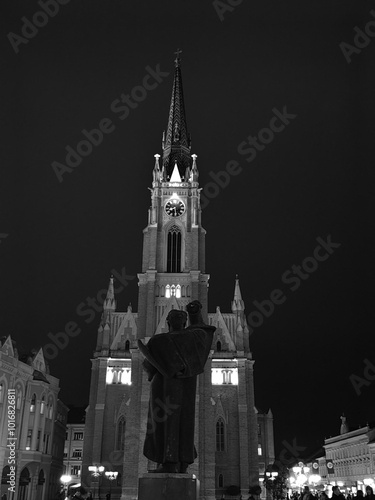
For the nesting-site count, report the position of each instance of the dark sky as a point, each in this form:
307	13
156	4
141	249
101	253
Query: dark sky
313	179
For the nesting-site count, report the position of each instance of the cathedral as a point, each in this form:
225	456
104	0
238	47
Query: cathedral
234	441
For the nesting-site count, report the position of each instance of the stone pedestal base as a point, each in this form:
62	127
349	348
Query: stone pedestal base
168	487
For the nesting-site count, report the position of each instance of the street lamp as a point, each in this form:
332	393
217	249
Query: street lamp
272	475
65	479
96	471
301	473
111	476
314	479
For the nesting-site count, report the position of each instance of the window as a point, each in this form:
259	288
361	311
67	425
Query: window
220	435
5	475
173	291
1	393
42	405
174	250
38	441
19	399
46	443
120	442
224	376
218	346
77	453
32	404
41	478
221	481
127	345
75	470
118	375
28	439
259	449
78	436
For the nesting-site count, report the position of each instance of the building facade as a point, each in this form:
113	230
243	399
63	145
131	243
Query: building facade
73	449
173	274
32	426
353	457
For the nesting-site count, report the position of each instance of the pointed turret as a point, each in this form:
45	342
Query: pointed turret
237	302
176	142
238	308
194	169
156	171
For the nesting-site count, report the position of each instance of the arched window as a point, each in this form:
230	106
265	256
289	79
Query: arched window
42	405
24	477
5	475
221	481
32	404
220	435
218	346
50	408
19	398
167	291
127	345
174	250
41	478
120	444
178	291
1	392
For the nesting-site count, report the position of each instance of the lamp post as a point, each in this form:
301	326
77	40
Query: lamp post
271	476
300	472
96	471
65	479
302	476
111	476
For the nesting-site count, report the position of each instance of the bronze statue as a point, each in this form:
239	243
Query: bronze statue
173	361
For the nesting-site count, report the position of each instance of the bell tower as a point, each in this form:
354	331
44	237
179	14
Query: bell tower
234	441
173	264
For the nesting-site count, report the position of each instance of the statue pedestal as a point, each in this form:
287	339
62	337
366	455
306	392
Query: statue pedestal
168	487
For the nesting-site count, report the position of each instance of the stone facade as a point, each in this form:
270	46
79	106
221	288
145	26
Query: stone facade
174	273
353	457
29	401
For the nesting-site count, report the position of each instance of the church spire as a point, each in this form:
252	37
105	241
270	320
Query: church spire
176	142
110	301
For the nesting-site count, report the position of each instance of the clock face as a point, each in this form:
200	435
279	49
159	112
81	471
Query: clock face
174	208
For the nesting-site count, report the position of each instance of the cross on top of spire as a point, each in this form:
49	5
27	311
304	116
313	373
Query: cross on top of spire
177	60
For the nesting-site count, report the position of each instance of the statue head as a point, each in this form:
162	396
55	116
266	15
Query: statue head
176	319
194	310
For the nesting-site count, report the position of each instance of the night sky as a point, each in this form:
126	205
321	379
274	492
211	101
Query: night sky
60	241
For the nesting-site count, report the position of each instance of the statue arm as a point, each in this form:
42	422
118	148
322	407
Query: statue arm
149	369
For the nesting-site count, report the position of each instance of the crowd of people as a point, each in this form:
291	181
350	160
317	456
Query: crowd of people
306	494
79	493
